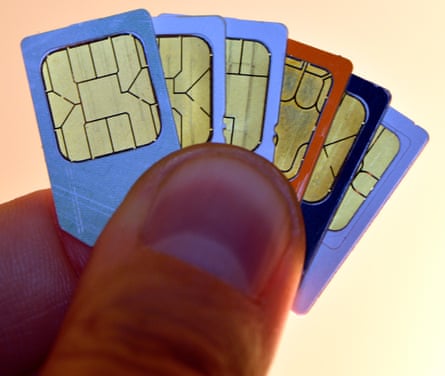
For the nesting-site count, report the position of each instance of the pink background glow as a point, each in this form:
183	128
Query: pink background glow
383	314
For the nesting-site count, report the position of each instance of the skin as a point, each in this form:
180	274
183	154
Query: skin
129	307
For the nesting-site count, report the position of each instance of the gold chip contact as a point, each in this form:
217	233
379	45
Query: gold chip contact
101	98
247	77
187	64
349	119
304	93
381	152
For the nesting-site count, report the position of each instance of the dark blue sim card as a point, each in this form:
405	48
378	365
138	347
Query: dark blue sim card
355	122
103	112
395	145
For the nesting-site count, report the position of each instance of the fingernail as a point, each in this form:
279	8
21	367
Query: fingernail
225	211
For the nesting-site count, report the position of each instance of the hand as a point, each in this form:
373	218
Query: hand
193	275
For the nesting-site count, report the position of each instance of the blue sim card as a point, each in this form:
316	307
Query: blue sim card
394	147
192	50
255	56
355	122
103	112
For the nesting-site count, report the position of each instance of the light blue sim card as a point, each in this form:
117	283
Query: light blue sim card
103	112
394	147
255	57
192	50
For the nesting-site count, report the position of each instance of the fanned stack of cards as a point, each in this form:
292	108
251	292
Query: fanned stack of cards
115	95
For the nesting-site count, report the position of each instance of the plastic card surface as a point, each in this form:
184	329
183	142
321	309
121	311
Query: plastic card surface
255	53
192	50
314	84
103	113
354	125
394	147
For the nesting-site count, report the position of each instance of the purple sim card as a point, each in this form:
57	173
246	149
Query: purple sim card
103	113
396	144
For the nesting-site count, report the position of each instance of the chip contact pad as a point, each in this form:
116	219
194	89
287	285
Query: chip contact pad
101	98
304	93
348	121
187	63
383	149
247	79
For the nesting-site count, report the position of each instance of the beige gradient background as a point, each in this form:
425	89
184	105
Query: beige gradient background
384	312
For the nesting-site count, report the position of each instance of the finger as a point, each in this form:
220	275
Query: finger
194	274
39	268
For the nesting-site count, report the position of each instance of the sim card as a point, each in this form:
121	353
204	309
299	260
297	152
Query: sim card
255	53
394	147
355	122
103	112
192	50
313	86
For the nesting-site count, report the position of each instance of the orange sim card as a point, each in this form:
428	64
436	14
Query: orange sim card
313	86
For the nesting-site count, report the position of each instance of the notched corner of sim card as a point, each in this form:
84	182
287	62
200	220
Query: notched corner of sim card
103	113
396	145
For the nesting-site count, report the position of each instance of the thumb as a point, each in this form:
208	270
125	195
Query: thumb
194	274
